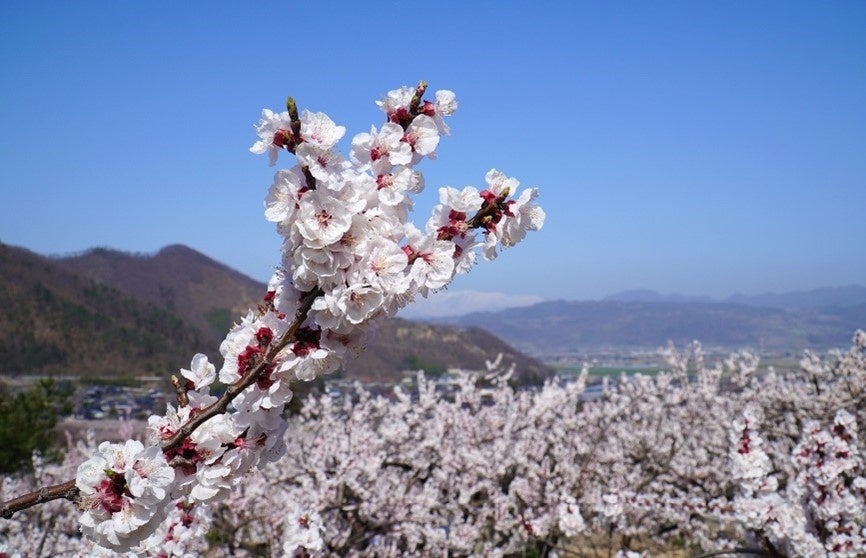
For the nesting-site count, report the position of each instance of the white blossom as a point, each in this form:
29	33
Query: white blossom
201	373
270	124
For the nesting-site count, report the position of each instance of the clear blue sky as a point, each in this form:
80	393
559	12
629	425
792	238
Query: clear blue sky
695	147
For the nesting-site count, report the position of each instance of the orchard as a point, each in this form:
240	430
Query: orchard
705	459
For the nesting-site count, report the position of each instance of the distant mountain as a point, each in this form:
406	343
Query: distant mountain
560	327
647	295
105	312
815	299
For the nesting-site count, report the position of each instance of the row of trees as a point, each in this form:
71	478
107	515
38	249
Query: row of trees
718	460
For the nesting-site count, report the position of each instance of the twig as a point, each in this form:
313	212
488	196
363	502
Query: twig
221	404
65	490
752	551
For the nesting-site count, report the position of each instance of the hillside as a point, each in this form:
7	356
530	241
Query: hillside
404	345
110	313
561	327
815	299
199	290
55	322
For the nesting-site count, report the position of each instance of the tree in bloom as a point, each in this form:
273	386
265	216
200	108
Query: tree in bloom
347	264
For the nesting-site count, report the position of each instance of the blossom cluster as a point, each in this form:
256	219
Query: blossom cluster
350	258
49	530
123	489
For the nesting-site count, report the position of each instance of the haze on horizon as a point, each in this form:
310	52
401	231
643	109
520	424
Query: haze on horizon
695	149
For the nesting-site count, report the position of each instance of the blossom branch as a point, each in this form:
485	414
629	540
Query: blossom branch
67	490
247	380
345	269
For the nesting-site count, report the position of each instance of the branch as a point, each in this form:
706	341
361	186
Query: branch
221	404
65	490
752	551
68	489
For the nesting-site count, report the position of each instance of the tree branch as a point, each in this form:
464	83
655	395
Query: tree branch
65	490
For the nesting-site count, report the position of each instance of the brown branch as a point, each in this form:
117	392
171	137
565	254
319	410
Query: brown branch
487	211
294	119
308	176
415	102
752	551
65	490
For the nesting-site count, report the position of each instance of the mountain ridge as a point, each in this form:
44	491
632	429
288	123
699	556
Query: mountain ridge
201	291
560	327
53	321
834	298
810	299
79	314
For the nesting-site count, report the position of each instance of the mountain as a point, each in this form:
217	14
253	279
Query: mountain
815	299
399	345
561	327
105	312
199	290
53	321
647	295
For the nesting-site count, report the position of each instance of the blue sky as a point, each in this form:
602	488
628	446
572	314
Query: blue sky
693	147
